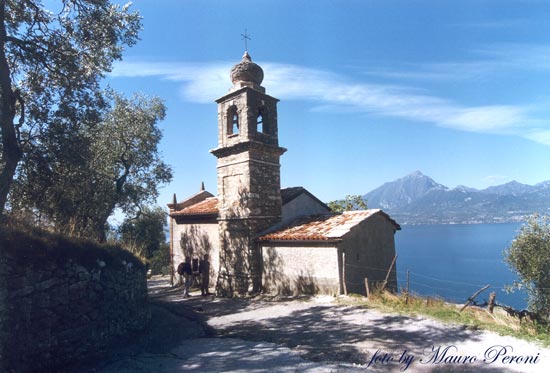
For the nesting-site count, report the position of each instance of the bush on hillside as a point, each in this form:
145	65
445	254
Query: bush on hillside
32	245
529	257
160	261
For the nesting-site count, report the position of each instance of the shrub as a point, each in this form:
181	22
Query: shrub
32	245
160	261
529	257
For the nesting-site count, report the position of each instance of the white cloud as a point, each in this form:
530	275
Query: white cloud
478	64
443	71
539	135
518	56
203	83
492	119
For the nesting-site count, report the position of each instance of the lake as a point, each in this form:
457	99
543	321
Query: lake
454	261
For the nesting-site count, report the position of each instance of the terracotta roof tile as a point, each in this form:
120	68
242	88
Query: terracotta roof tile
202	204
320	227
200	196
207	206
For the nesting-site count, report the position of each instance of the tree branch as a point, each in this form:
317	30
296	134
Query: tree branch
119	182
19	99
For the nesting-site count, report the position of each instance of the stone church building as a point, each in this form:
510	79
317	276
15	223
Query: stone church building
260	237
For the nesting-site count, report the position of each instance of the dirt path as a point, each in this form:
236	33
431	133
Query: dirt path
207	334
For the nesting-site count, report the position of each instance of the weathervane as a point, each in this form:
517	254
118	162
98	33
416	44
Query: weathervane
246	37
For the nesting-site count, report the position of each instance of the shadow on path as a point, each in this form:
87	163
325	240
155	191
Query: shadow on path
324	333
172	322
319	332
208	334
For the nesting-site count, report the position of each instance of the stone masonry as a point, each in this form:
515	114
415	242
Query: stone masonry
249	186
57	308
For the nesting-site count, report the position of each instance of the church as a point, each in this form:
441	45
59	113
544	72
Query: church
261	238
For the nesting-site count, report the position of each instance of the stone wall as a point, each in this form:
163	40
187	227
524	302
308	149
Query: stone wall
62	301
200	239
366	251
369	251
308	269
302	205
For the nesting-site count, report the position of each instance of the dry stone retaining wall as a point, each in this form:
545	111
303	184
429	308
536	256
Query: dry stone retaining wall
63	301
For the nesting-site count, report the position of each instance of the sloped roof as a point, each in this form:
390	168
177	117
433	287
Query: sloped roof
323	227
208	206
194	199
204	203
288	194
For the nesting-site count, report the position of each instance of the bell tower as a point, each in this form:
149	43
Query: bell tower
249	185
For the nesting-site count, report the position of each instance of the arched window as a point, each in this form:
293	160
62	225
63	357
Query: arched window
232	121
260	121
235	123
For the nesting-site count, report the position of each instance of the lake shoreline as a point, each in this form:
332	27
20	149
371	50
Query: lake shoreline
452	261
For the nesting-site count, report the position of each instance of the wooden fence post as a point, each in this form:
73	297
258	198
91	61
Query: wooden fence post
367	286
344	273
492	297
408	287
388	274
473	296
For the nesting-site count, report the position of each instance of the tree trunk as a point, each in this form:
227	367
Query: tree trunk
11	151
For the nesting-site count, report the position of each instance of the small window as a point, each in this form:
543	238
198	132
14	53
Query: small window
235	123
232	121
260	122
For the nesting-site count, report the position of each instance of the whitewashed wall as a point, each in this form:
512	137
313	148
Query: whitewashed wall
303	269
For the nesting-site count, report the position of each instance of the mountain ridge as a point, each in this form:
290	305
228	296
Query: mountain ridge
419	199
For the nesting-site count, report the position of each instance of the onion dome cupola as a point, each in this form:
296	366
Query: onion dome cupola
246	113
247	74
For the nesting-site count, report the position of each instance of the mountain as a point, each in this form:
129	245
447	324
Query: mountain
464	188
418	199
401	192
511	188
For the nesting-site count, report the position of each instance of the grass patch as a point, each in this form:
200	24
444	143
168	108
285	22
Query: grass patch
473	318
34	247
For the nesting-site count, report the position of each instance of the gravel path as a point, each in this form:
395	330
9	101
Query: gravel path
207	334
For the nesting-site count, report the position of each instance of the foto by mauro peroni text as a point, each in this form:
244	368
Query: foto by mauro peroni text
451	355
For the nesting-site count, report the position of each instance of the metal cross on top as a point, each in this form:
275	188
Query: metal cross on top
246	37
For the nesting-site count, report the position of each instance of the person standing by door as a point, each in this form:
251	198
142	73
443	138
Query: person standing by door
204	270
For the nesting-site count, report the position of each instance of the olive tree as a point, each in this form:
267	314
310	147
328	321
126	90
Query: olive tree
529	257
77	181
51	64
350	203
145	232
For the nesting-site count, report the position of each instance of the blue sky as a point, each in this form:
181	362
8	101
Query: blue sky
370	90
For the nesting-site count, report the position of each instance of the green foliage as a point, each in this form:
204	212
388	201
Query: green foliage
51	64
76	182
145	231
350	203
529	257
160	261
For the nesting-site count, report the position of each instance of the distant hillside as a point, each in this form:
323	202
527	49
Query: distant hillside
402	192
418	199
511	188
